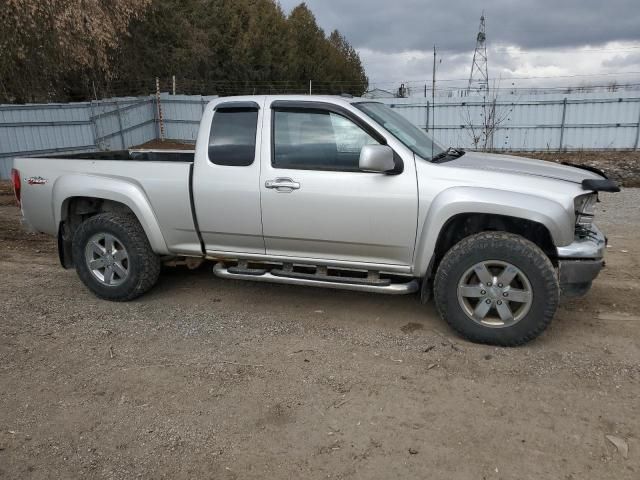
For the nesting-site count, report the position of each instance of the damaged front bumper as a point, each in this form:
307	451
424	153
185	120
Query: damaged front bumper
580	262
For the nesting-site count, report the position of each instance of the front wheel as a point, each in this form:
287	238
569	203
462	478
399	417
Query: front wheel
497	288
113	257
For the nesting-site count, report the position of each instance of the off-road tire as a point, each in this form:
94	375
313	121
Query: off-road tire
144	264
506	247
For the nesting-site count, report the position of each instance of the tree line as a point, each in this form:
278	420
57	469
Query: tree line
65	50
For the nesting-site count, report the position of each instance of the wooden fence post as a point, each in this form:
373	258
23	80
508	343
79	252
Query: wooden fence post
564	115
159	111
124	146
637	132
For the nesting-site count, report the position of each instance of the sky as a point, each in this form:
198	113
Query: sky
530	43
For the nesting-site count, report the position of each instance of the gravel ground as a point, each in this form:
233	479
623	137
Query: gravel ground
619	208
207	378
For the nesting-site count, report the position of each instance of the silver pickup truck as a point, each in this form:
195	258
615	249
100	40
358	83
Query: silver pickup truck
331	192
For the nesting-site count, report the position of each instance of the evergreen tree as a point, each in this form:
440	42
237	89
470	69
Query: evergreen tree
223	47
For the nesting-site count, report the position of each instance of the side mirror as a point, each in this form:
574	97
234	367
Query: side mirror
376	158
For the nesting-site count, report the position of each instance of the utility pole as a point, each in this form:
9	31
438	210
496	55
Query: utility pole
433	98
433	77
479	71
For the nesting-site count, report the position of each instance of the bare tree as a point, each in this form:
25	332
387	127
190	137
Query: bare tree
492	117
43	41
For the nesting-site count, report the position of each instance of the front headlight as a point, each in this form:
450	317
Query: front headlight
585	207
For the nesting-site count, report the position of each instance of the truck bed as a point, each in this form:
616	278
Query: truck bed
140	155
154	184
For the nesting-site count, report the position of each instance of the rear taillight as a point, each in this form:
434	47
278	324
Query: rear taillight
15	179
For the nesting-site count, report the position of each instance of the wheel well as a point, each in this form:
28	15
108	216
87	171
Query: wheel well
76	210
463	225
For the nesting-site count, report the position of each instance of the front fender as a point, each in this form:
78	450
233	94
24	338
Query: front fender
453	201
115	189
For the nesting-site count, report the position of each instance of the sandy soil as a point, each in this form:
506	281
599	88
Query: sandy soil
206	378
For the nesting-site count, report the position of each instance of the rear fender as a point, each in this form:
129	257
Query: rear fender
116	189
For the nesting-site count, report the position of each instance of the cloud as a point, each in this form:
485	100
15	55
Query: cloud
525	38
403	25
508	67
623	61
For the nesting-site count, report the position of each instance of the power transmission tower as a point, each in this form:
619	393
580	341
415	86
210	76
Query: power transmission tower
479	77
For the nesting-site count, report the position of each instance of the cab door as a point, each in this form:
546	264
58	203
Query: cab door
317	204
226	180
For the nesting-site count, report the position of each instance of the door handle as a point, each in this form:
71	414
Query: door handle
286	184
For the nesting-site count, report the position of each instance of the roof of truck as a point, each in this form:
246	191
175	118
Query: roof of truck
309	98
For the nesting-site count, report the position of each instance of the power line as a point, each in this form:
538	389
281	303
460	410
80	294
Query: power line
506	49
345	83
198	82
526	78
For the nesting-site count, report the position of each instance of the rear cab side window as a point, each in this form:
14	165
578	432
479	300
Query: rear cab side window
232	139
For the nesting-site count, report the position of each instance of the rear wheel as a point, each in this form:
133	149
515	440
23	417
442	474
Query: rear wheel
497	288
113	257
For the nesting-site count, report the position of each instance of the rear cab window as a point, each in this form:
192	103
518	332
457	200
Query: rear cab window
232	139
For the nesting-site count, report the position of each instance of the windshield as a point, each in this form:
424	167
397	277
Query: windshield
418	141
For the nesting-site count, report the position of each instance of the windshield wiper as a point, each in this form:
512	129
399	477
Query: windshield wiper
449	154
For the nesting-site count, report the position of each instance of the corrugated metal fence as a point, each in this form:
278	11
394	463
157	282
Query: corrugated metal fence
120	123
536	122
182	115
40	129
113	124
579	121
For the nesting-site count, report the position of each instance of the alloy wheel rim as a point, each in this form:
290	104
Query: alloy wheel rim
107	259
495	294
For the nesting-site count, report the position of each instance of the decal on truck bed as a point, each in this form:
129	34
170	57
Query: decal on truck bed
36	180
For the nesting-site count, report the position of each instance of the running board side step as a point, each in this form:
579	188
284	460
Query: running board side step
359	285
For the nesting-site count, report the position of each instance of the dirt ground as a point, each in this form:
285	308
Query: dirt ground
207	378
167	145
622	166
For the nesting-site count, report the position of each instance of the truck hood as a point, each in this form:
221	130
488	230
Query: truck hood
522	166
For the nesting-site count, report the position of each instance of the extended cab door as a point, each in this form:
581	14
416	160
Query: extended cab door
226	178
317	204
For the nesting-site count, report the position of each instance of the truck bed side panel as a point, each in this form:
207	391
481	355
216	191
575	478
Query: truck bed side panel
158	192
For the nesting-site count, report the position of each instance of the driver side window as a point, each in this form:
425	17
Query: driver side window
317	140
